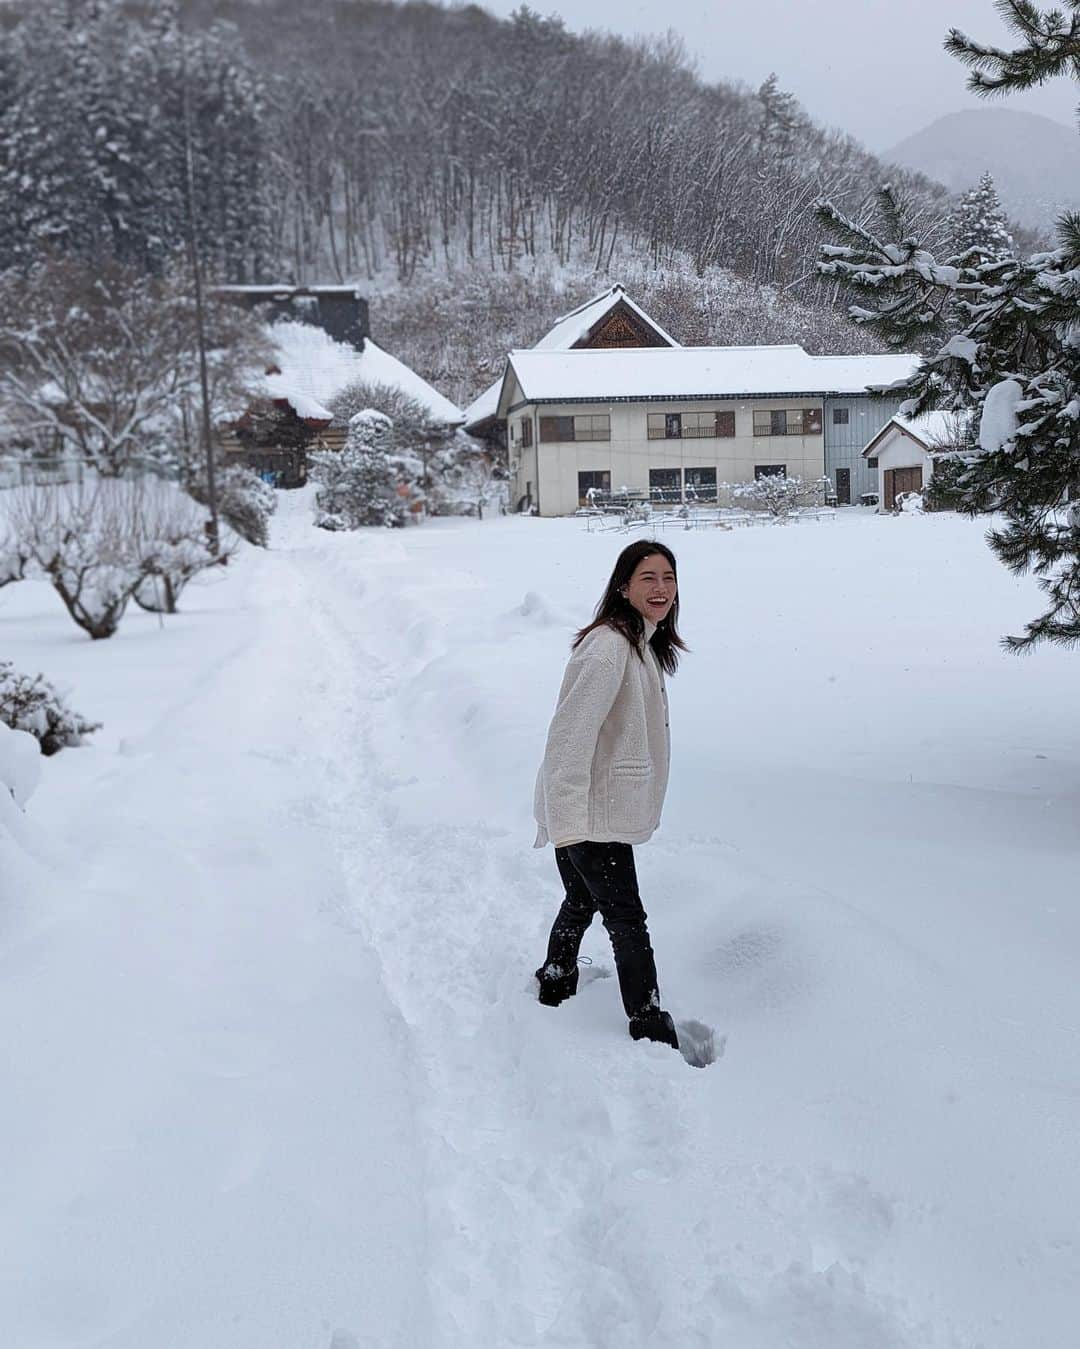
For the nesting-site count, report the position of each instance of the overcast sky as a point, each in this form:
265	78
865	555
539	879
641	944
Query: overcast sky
874	68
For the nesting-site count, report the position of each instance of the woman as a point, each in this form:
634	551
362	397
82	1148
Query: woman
601	786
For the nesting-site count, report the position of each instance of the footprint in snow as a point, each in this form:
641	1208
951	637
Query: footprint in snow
587	973
698	1044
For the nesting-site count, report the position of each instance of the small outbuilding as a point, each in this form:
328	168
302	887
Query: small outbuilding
902	453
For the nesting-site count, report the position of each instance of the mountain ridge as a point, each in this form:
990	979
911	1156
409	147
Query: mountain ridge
1035	160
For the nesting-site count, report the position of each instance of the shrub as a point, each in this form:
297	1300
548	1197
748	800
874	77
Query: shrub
245	502
778	495
32	704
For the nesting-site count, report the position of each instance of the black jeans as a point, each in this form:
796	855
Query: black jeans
602	877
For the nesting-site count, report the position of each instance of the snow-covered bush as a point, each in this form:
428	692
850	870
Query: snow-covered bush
774	493
30	703
99	542
80	536
175	546
360	484
910	503
245	502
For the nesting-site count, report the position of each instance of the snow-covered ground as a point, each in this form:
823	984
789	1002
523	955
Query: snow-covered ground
272	1070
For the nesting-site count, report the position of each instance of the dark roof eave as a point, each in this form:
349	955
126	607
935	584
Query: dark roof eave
670	398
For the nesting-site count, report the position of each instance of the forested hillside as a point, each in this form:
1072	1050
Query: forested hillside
401	144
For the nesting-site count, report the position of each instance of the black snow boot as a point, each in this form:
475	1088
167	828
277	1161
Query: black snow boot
556	983
655	1025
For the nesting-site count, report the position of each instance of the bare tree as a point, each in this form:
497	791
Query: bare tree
98	363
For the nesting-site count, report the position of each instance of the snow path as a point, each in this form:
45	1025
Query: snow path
282	1078
533	1147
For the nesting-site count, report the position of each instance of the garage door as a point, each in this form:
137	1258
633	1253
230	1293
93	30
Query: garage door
899	480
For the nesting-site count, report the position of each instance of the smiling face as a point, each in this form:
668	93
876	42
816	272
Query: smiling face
652	589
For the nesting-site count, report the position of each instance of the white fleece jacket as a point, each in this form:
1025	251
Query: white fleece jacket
605	767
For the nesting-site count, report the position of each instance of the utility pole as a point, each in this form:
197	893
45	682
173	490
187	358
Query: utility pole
195	255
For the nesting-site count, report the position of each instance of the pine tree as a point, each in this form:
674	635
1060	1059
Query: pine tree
979	222
92	156
1014	362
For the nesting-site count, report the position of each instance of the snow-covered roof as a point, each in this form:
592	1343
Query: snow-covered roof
568	329
856	374
572	327
697	372
485	407
305	406
313	365
930	429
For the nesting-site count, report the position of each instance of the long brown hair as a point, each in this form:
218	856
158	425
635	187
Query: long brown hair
617	612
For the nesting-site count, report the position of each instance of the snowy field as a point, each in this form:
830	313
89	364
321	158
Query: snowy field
273	1076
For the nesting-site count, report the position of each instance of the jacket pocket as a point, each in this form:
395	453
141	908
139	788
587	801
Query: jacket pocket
631	768
630	795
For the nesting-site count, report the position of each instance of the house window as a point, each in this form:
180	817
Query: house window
695	425
665	484
701	484
769	471
592	426
665	425
787	422
689	425
556	428
840	416
526	432
592	480
871	463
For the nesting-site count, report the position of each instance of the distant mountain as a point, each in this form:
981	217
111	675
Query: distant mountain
1035	161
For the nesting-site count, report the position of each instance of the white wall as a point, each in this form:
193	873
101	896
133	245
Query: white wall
629	454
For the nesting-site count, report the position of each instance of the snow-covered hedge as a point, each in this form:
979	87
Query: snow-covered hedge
30	703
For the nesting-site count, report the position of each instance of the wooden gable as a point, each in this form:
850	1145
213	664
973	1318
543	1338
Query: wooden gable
620	327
